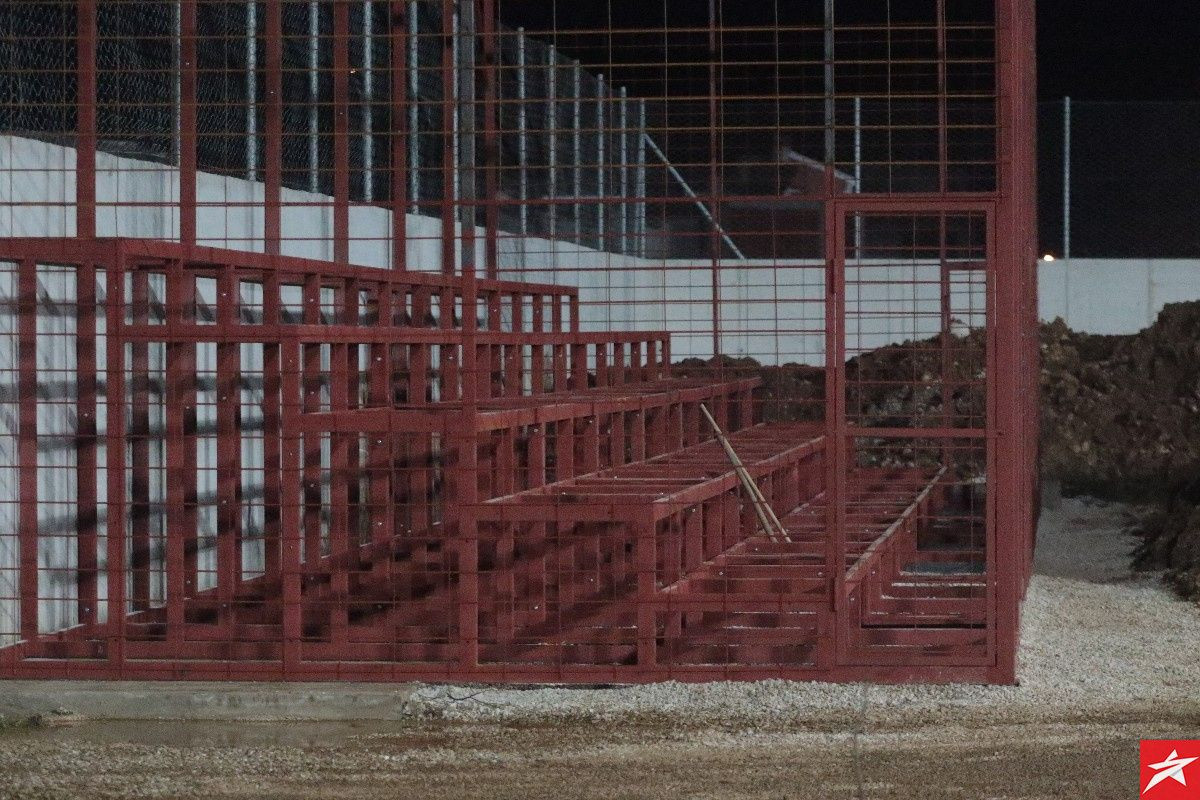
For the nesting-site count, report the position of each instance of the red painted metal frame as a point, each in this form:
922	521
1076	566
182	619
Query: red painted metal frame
503	497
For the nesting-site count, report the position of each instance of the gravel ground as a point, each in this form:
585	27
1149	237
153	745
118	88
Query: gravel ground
1093	634
1107	658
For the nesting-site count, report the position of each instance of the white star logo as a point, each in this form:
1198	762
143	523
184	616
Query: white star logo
1171	768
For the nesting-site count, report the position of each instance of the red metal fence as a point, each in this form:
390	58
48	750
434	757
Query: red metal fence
483	454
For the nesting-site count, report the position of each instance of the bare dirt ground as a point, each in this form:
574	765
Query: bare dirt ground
1107	658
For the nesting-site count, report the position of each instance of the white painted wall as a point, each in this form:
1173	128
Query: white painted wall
771	310
1114	296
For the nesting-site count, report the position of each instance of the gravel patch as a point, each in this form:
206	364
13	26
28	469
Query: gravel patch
1095	637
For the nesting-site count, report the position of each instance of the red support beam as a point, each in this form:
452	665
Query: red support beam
188	118
85	112
400	44
449	209
116	399
27	448
341	132
273	156
87	553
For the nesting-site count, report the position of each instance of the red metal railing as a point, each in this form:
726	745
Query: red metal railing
475	457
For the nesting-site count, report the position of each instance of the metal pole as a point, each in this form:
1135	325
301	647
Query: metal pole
456	93
830	144
577	147
414	102
687	189
251	90
858	231
640	182
552	145
314	93
368	133
465	35
601	155
623	217
1066	178
176	88
522	145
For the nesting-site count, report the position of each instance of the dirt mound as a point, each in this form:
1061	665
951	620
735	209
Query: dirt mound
1120	414
1121	419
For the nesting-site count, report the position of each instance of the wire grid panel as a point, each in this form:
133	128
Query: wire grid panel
483	452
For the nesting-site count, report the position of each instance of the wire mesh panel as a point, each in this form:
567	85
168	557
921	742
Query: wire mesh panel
515	341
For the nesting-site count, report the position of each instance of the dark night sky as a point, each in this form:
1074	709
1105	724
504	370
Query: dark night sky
1134	176
1089	49
1119	49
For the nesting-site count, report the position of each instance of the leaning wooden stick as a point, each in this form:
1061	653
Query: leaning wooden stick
749	483
766	515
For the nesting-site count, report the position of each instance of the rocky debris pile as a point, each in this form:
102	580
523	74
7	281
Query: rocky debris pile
789	392
1121	419
1120	414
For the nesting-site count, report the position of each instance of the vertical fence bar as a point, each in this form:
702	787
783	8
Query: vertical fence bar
522	133
623	215
577	148
552	145
291	504
272	421
640	182
85	105
139	446
830	108
414	106
491	147
449	145
176	77
341	132
87	557
943	134
714	176
858	230
187	121
273	168
251	90
115	458
314	96
368	120
228	405
601	155
403	132
1066	180
465	484
27	447
177	394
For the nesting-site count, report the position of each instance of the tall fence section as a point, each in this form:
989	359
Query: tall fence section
388	340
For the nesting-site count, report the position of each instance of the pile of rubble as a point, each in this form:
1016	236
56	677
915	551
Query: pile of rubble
1121	419
1120	415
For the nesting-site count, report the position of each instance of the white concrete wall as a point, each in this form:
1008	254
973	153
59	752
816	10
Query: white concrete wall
1114	296
773	311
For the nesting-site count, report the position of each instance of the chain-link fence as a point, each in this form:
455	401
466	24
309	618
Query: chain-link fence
1119	179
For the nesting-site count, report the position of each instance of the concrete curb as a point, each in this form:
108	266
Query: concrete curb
196	701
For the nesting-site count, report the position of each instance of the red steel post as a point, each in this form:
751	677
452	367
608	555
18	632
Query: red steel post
273	162
187	120
85	105
400	44
341	132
